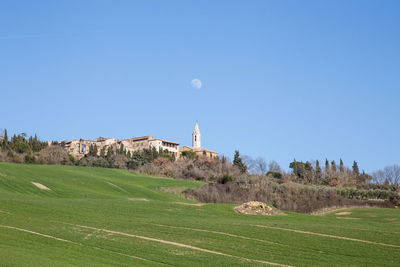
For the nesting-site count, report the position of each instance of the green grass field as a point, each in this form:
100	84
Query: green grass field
109	217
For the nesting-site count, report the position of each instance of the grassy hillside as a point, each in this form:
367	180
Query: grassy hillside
103	217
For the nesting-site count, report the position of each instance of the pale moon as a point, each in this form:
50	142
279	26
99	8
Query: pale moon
196	83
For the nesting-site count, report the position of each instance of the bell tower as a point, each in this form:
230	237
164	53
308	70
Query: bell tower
196	141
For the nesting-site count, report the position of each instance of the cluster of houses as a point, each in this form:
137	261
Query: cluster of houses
81	147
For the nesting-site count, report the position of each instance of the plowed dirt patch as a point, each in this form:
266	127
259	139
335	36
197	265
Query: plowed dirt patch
343	213
40	186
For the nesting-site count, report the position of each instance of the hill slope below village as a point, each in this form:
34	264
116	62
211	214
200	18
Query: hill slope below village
64	215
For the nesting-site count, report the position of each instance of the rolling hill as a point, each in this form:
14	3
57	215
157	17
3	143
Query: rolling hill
80	216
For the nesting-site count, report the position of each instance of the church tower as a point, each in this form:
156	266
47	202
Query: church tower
196	143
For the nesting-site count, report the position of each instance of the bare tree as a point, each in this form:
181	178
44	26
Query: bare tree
391	174
260	165
249	162
274	166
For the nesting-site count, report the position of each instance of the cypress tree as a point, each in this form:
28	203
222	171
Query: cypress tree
103	152
5	140
237	161
326	166
333	166
295	168
109	152
223	160
341	166
309	172
95	150
318	172
356	171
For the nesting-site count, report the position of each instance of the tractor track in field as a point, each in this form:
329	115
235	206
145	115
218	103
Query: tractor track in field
219	233
328	235
116	186
80	244
179	245
6	212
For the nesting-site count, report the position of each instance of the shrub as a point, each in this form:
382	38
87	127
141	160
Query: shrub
275	174
71	158
189	154
29	158
225	179
53	155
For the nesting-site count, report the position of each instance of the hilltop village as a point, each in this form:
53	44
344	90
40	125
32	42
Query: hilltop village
79	148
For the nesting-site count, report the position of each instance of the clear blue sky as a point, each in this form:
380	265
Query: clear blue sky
281	79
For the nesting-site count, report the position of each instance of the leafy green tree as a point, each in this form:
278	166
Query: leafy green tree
298	168
238	162
294	166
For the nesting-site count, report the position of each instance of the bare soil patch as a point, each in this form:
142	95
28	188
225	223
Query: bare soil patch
40	186
255	207
343	213
325	211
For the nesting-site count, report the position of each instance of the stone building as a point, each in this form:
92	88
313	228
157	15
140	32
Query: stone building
81	147
196	145
148	142
196	137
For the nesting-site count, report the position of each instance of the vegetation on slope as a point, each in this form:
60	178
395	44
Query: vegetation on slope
307	188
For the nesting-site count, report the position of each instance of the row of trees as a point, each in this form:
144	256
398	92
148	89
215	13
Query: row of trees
331	173
121	158
21	144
